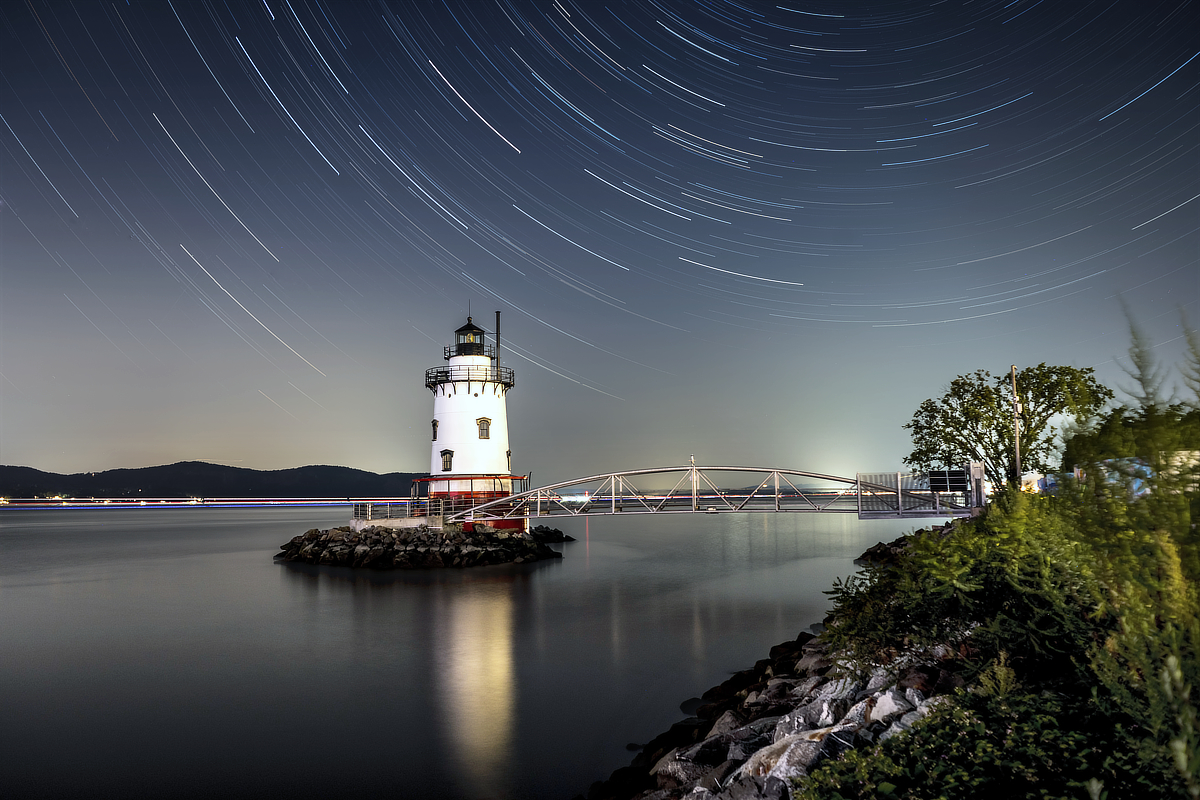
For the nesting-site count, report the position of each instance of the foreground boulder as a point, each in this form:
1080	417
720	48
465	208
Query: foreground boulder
421	547
546	534
767	726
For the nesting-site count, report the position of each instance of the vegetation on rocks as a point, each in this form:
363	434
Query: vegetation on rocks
1074	620
980	746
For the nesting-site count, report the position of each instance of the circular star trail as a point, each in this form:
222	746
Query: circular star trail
762	231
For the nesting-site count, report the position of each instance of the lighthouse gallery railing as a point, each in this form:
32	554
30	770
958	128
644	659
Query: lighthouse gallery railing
438	375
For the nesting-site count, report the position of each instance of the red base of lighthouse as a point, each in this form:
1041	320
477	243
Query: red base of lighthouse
454	494
458	501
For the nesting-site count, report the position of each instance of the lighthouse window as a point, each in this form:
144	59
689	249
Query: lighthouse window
435	430
447	460
485	427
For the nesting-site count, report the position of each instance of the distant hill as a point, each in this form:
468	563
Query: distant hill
199	479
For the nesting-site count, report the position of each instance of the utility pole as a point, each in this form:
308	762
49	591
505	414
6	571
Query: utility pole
695	485
1016	425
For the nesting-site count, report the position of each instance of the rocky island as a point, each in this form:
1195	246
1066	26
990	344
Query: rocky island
422	547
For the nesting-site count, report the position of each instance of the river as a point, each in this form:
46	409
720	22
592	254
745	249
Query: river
162	652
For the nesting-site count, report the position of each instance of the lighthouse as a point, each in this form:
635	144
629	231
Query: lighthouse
470	459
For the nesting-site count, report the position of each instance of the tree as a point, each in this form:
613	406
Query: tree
1134	508
1148	447
973	420
1191	366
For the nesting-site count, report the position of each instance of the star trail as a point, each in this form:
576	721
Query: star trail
757	232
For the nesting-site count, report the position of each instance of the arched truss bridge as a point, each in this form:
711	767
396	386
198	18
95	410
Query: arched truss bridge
692	489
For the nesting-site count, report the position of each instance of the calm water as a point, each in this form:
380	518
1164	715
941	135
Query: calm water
164	653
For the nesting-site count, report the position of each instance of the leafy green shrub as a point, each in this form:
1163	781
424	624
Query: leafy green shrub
1011	582
1013	745
998	680
1146	554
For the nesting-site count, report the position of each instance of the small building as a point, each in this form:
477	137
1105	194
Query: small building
470	458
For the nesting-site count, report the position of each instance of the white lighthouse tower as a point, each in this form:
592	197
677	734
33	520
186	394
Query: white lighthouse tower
470	459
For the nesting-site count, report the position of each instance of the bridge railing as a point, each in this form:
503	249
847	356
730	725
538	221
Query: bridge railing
892	494
398	509
697	490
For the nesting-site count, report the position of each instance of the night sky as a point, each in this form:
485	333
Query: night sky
759	233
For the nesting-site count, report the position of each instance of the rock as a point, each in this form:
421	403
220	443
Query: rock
547	535
921	678
414	548
743	787
726	723
710	752
839	739
880	677
790	724
889	704
717	708
784	725
673	771
838	689
779	689
732	685
680	734
783	655
788	758
830	703
715	778
745	741
810	685
905	722
858	715
885	553
815	659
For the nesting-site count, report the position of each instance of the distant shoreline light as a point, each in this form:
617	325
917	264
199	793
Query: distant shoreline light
174	502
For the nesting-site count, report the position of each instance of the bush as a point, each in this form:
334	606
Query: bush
1011	582
1010	745
1040	595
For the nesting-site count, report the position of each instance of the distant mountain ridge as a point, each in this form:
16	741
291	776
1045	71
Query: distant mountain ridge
201	479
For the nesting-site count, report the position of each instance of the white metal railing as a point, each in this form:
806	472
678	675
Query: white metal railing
502	375
398	509
870	495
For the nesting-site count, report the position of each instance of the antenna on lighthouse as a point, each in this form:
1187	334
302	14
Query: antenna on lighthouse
497	338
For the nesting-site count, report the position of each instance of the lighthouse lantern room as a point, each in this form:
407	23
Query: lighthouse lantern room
470	458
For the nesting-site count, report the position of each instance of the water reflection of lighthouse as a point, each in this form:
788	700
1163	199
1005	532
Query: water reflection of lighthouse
470	457
473	649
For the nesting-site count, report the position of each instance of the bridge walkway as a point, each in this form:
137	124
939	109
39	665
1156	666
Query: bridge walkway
692	489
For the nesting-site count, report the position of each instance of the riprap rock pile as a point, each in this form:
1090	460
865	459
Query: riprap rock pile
768	725
421	547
